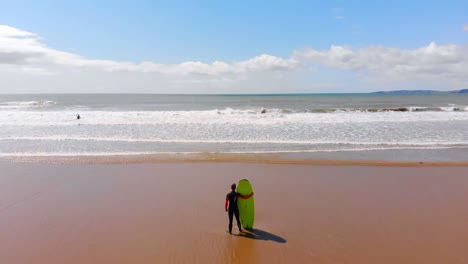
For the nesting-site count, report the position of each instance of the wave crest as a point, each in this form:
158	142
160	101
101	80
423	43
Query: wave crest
26	104
252	111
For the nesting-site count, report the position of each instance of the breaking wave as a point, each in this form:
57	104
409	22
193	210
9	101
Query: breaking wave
25	104
338	110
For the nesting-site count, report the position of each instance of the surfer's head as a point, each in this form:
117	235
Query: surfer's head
233	186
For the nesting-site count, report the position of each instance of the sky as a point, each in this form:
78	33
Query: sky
213	47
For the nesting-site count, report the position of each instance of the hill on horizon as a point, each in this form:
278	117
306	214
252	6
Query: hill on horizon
461	91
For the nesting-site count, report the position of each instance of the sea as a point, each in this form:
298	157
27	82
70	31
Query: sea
328	126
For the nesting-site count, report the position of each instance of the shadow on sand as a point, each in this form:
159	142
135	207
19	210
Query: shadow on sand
259	234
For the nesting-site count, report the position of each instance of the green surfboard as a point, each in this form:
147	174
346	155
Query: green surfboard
246	206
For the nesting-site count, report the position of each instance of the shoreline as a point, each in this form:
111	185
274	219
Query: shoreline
227	158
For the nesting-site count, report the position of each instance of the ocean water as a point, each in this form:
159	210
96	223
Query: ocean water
410	127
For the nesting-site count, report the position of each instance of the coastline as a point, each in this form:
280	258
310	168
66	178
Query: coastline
228	158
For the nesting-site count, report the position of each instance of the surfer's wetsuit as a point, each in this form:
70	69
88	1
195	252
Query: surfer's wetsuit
231	207
231	200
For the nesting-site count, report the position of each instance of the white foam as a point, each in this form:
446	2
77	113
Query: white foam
25	104
140	153
246	131
237	141
68	118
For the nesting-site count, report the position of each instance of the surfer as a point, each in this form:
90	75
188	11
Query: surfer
78	117
231	206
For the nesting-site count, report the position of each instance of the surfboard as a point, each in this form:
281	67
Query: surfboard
246	206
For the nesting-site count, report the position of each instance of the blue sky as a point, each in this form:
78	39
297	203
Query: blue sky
173	32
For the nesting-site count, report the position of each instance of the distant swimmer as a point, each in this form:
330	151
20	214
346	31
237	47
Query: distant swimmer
78	117
231	206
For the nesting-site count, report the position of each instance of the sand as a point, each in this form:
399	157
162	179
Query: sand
174	213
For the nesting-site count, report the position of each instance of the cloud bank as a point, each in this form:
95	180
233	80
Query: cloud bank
24	53
22	48
432	61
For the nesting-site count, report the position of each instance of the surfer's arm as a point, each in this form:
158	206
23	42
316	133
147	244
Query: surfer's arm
226	203
246	196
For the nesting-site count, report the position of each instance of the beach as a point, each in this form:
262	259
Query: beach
126	125
338	178
172	212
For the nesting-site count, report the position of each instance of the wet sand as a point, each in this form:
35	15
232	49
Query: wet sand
174	213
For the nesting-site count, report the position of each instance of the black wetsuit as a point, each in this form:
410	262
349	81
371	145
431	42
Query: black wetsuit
233	209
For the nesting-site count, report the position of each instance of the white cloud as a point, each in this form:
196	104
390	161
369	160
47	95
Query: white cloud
439	61
465	27
23	54
18	47
7	31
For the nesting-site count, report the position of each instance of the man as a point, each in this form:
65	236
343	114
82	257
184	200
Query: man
231	206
